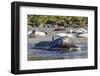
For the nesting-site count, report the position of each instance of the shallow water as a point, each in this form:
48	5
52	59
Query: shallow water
38	48
46	53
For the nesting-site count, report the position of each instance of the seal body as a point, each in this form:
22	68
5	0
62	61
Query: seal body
64	43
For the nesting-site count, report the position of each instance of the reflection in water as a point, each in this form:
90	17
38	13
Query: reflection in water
37	52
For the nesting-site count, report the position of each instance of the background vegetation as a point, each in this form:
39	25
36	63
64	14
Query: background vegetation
65	21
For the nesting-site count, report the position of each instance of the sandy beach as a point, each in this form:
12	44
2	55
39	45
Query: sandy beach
51	33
